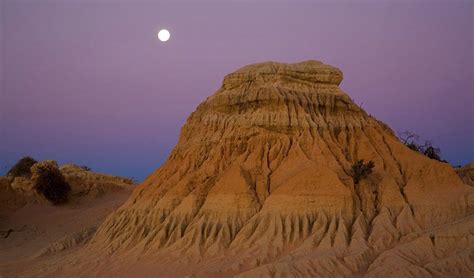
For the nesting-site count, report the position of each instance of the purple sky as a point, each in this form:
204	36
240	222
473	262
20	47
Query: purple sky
88	81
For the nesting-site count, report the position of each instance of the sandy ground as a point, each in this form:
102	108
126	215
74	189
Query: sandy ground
35	227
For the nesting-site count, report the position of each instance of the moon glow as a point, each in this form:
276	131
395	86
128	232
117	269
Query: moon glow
164	35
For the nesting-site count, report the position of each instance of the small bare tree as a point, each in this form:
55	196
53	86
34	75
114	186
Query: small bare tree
410	139
430	151
408	136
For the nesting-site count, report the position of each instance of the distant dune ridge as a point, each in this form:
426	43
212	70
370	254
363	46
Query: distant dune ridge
260	185
16	192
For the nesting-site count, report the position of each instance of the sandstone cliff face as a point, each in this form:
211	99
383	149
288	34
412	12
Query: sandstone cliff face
260	184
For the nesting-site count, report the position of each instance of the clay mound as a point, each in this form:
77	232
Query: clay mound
85	183
15	192
260	184
11	199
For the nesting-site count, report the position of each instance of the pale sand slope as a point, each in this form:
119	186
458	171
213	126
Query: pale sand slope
36	226
31	228
260	185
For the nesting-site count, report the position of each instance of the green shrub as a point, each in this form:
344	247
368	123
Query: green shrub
361	170
22	167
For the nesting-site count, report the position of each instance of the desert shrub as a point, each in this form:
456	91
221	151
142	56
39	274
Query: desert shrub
22	167
131	180
431	151
361	170
49	182
410	140
413	146
85	168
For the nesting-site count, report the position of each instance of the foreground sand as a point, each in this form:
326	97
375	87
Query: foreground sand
37	227
32	228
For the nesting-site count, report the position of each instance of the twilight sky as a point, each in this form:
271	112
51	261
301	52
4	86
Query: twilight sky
88	81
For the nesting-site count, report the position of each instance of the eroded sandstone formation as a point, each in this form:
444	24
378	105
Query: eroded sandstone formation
260	185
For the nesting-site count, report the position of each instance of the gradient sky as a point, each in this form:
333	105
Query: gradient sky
88	82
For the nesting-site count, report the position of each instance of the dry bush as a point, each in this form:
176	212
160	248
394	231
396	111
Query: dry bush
22	167
410	139
361	170
50	182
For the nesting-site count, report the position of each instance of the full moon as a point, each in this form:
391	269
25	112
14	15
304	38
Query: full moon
164	35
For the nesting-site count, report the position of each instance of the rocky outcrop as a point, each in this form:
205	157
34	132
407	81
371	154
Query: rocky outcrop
260	185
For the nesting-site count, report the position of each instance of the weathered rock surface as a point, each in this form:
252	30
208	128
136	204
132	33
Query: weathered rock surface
260	185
